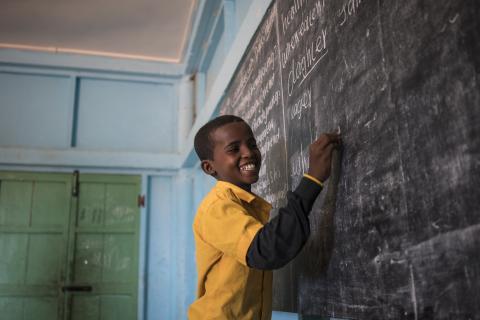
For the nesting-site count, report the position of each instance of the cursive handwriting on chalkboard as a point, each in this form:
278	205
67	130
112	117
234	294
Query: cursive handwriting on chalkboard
302	103
306	61
349	8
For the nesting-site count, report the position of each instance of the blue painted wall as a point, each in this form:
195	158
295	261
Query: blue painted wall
126	115
48	109
34	110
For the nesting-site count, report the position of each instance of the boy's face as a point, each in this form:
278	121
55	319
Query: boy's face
236	158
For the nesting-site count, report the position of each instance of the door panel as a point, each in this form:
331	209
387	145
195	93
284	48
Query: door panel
43	264
86	308
28	308
121	210
51	210
49	239
117	308
15	202
103	307
106	247
34	215
36	308
13	258
91	205
13	307
88	258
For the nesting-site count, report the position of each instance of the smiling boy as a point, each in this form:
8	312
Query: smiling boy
236	244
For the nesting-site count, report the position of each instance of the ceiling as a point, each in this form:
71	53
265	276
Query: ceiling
154	30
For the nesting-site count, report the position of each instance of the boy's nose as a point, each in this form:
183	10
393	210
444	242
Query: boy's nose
246	151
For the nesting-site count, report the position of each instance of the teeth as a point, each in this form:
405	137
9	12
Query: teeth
248	167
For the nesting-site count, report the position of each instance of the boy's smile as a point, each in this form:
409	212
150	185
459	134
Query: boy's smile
236	158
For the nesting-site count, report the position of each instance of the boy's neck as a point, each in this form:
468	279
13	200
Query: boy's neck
247	187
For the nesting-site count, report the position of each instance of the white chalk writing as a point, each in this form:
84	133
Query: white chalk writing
307	61
349	8
307	23
264	133
272	140
291	13
263	36
244	104
250	64
263	113
303	103
299	162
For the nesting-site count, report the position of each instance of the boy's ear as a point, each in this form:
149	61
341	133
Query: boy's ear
207	167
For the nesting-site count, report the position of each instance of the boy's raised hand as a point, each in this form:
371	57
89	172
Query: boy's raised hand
321	155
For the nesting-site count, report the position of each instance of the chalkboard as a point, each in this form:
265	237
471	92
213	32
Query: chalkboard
396	232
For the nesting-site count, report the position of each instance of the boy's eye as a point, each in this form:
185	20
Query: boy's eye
232	149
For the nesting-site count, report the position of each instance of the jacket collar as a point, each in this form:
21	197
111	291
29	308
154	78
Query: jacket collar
243	194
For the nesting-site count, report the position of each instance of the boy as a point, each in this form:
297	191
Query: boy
236	245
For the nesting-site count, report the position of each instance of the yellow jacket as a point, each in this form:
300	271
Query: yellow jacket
226	222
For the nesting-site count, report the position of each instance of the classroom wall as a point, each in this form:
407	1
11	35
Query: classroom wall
60	113
61	119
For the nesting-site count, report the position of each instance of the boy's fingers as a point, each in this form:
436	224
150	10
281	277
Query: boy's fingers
326	139
333	137
328	149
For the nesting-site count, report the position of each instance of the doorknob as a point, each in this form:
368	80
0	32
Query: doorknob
77	288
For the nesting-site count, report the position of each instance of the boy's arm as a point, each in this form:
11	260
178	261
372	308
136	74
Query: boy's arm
280	240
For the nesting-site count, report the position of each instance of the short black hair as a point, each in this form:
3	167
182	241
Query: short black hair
202	142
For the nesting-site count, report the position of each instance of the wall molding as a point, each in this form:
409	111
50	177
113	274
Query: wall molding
93	159
15	57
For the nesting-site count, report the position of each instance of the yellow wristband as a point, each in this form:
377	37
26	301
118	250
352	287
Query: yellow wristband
320	183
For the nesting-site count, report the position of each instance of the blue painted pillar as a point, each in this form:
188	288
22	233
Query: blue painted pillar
199	87
161	286
186	105
230	23
184	244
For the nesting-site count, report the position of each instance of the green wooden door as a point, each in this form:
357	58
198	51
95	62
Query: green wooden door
68	257
34	216
105	248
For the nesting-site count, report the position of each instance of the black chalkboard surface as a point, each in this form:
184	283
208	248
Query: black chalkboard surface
396	232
